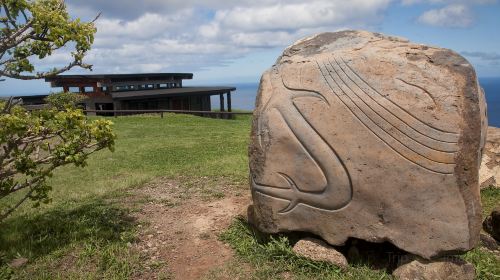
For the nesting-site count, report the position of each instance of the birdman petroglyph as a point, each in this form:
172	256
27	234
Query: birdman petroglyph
357	134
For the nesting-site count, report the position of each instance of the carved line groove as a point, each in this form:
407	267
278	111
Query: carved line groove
396	122
417	126
338	191
430	153
421	88
402	150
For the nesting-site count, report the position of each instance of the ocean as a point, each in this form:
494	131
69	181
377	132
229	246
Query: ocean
244	98
491	88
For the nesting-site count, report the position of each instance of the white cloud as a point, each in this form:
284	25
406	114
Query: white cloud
292	16
454	15
188	35
447	2
491	58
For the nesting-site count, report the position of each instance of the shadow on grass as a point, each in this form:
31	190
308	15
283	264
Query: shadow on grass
272	255
93	223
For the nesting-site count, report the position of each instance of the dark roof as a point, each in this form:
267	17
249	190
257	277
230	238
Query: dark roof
122	76
30	96
171	92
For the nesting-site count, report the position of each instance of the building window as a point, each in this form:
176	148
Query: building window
88	89
121	88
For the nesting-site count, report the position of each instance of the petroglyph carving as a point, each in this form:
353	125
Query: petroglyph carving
338	189
413	139
356	134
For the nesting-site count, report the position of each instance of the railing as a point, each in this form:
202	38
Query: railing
215	114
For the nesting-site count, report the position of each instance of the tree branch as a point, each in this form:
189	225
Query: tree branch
42	75
7	13
10	210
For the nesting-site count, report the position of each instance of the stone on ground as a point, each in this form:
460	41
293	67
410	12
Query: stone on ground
489	173
318	250
492	224
489	242
358	134
453	269
19	262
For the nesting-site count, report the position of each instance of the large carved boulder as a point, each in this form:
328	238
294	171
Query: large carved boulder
357	134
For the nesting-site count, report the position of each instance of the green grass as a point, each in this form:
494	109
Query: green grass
95	234
149	147
490	198
84	229
271	257
86	232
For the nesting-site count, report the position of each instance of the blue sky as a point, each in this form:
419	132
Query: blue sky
227	42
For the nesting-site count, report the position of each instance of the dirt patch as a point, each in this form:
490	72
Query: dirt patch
182	223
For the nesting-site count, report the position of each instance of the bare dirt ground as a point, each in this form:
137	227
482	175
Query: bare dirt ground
180	225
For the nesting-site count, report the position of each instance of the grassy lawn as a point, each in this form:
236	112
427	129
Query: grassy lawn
81	219
87	231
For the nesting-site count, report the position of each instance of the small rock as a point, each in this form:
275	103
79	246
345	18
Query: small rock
19	262
446	269
318	250
489	242
492	224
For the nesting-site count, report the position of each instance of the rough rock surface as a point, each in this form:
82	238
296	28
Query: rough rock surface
453	269
357	134
489	242
318	250
489	173
492	224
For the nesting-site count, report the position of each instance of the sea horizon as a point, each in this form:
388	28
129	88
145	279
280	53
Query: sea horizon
244	97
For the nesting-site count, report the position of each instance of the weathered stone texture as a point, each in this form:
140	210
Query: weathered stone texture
453	269
318	250
489	173
357	134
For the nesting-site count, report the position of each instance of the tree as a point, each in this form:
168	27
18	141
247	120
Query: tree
35	29
34	143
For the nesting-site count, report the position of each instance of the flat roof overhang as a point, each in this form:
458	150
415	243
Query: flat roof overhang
60	80
170	92
29	96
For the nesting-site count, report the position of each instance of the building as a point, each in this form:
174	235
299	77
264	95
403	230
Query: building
153	91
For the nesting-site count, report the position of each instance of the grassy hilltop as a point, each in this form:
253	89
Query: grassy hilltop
88	231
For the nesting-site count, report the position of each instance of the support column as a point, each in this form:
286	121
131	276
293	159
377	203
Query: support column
90	105
229	101
229	105
221	98
117	105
